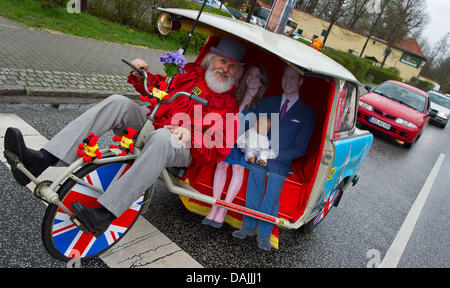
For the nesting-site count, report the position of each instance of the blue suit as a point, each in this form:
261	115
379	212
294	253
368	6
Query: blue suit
295	129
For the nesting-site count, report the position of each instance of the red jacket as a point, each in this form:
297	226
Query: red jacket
202	151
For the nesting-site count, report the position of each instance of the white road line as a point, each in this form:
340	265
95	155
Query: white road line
143	246
395	252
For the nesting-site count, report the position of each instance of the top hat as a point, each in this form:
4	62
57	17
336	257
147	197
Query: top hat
230	49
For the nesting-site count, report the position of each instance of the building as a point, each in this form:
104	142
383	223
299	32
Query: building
406	56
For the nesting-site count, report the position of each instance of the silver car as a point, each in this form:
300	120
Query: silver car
441	104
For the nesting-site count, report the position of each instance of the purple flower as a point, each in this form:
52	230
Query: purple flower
162	59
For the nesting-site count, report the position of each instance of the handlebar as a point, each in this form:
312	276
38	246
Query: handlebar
174	96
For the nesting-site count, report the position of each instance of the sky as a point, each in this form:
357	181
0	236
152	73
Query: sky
439	20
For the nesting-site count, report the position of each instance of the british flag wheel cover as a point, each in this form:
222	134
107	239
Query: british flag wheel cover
68	239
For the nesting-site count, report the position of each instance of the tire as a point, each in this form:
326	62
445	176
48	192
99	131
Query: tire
62	239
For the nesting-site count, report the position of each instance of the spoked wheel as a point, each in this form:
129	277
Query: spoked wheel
62	238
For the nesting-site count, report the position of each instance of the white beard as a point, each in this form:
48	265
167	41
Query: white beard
217	85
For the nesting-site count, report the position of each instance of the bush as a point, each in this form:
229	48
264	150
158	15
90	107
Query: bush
378	75
362	68
421	84
357	66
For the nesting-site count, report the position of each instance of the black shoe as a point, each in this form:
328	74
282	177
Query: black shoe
35	161
97	220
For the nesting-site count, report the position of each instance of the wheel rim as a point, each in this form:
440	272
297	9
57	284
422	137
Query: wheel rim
68	239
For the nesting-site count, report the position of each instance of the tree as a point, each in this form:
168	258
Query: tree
403	17
375	21
332	10
439	52
357	10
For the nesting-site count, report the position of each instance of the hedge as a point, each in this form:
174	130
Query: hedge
362	68
421	84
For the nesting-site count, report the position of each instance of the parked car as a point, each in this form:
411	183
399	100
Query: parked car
237	14
396	109
216	4
441	104
255	20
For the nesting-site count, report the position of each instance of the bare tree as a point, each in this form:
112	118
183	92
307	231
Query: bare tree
439	52
374	21
403	18
357	10
332	10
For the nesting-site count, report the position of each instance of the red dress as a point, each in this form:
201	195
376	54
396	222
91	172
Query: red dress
210	140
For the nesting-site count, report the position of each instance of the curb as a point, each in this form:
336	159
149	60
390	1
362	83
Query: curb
57	93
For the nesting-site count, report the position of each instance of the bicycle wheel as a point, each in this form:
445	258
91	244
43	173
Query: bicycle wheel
62	238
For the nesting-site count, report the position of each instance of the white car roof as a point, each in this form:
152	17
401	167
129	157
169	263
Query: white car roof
285	47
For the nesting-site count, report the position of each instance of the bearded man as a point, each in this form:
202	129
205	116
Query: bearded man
213	80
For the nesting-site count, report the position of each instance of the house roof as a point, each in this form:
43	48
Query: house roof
410	45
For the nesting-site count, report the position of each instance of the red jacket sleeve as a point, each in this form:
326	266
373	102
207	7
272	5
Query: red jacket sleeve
139	85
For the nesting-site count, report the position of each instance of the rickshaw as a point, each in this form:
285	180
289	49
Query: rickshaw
316	183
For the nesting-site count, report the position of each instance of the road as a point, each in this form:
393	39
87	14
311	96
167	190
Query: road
357	234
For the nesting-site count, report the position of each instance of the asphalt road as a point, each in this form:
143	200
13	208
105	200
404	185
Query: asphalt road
357	234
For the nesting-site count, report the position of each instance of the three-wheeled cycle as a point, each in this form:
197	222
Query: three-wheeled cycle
315	184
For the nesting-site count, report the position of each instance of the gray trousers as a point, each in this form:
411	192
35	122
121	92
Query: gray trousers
118	113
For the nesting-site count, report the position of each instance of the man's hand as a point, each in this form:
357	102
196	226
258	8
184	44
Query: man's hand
141	64
182	134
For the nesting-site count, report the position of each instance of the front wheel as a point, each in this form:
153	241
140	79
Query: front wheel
62	238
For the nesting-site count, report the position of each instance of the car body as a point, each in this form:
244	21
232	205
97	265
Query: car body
337	147
441	104
396	109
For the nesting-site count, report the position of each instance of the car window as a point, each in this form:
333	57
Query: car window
346	108
402	95
440	100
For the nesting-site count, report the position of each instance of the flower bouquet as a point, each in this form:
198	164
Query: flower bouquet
173	63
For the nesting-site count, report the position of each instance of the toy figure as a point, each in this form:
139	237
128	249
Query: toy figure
255	144
159	92
126	141
89	148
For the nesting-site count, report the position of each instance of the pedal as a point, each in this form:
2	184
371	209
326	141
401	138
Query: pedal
79	224
83	227
11	158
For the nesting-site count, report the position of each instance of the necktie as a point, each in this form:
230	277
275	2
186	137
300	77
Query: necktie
284	108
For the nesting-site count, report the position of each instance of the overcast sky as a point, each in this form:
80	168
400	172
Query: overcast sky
439	20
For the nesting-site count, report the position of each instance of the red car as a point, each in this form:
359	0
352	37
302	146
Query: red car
396	109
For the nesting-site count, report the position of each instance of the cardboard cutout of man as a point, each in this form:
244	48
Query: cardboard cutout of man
296	124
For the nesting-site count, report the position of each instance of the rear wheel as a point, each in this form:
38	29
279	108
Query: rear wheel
63	239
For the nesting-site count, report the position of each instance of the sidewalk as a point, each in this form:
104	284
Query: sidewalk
42	64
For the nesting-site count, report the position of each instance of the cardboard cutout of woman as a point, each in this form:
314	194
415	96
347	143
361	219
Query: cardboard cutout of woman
252	87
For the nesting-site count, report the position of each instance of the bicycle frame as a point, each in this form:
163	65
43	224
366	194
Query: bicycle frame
47	192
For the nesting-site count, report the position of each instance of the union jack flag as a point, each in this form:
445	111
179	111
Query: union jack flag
68	238
327	206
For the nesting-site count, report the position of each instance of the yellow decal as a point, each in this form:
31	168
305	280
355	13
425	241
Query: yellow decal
196	91
330	176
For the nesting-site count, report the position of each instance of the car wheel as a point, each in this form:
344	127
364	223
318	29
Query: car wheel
407	145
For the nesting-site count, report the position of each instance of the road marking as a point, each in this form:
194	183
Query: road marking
395	252
143	246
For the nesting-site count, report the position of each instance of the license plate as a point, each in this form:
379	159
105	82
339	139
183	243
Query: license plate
380	123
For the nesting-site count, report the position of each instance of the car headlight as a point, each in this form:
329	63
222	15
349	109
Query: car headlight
442	115
365	105
405	123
